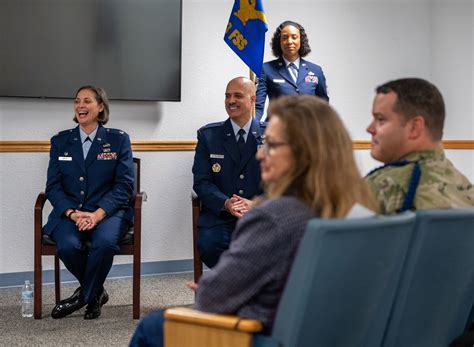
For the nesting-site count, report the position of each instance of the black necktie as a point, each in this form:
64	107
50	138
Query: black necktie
241	142
86	146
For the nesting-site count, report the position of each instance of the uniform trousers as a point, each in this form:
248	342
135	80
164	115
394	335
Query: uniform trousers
213	242
89	255
149	332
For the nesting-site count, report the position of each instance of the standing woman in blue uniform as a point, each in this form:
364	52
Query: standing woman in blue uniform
289	74
90	184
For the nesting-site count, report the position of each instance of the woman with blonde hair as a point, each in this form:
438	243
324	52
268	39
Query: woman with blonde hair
308	169
324	174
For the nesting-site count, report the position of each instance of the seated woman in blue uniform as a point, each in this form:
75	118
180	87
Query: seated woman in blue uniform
289	74
90	182
305	147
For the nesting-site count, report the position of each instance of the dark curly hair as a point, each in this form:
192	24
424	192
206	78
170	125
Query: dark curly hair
275	44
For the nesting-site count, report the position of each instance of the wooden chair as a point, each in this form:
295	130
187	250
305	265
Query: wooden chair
129	245
339	292
196	210
188	327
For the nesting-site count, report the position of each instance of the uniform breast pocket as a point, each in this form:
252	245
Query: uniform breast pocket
216	166
67	168
311	82
105	168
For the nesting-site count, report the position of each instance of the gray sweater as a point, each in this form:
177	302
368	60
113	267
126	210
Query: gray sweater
250	277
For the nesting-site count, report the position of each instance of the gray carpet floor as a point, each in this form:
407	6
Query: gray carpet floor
113	328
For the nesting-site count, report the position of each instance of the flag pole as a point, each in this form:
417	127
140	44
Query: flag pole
253	78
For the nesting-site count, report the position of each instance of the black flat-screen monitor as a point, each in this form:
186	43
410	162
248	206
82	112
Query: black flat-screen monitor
131	48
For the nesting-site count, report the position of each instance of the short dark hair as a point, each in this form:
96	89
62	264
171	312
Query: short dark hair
101	98
276	45
416	96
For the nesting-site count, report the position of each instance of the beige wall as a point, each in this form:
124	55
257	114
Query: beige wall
359	45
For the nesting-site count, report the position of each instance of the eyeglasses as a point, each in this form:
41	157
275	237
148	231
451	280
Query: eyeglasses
267	146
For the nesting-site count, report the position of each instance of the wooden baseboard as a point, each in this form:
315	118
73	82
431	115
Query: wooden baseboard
182	145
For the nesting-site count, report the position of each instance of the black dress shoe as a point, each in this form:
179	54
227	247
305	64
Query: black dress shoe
93	309
73	297
69	305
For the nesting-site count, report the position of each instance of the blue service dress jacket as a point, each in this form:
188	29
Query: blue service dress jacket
104	179
219	172
276	81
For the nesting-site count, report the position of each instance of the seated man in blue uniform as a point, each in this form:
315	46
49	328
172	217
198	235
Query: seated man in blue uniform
90	183
225	170
289	74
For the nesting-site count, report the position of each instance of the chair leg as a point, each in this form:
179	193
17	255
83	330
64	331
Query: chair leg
38	285
57	279
197	267
136	284
196	257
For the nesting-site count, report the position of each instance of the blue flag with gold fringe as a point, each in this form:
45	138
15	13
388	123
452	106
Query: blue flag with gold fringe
245	33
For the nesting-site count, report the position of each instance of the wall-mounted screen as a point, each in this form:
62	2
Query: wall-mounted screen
131	48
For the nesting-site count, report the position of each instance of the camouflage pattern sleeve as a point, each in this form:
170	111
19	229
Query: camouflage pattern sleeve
389	187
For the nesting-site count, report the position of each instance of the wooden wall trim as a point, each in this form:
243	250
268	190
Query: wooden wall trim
182	145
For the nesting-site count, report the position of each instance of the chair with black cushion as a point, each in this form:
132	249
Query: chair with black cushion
436	290
129	245
339	292
196	210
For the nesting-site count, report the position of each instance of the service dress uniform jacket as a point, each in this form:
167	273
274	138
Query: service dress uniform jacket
105	179
219	171
276	81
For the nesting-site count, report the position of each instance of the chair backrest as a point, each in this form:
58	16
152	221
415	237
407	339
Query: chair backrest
342	283
136	171
436	291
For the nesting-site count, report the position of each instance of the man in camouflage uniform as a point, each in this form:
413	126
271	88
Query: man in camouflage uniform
407	127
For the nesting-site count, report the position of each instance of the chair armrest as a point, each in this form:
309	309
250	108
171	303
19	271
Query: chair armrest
40	201
38	221
187	315
38	212
138	201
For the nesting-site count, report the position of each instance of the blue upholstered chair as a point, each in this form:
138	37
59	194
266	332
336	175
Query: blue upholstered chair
436	291
339	292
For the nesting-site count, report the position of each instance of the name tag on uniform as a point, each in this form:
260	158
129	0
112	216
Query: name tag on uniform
65	158
278	80
217	156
